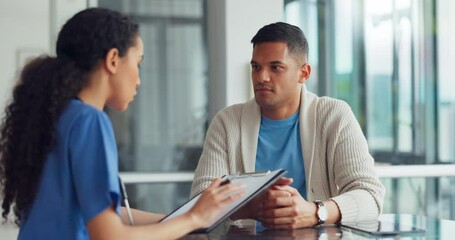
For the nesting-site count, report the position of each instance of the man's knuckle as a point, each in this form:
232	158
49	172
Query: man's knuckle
295	211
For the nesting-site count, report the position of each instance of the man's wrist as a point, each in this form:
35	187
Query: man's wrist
314	214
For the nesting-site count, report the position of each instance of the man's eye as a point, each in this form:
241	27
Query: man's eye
255	67
277	68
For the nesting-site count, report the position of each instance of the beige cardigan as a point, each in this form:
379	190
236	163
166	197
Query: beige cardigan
335	153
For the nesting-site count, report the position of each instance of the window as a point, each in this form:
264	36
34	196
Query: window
446	84
391	61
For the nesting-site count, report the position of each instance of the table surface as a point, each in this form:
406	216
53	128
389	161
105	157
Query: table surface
435	229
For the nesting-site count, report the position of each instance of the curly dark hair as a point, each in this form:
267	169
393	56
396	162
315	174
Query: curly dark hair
45	87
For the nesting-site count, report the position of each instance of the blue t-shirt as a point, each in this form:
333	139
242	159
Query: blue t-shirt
79	178
279	146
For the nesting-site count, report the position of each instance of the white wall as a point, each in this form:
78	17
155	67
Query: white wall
25	31
28	29
232	24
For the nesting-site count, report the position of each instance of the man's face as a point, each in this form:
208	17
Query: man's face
277	76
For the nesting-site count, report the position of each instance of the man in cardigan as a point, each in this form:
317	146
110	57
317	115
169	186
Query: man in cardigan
331	175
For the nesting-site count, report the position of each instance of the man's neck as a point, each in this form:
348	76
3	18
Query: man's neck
280	113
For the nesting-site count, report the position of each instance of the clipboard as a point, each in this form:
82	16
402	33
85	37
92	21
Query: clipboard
255	183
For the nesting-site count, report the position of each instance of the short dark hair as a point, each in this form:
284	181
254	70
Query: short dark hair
284	32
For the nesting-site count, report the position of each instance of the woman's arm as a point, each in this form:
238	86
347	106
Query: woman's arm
108	225
141	217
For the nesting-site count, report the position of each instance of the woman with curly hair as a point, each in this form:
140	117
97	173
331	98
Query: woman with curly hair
58	156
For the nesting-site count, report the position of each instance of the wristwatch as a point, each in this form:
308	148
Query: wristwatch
321	212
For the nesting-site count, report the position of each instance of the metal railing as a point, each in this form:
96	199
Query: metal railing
395	171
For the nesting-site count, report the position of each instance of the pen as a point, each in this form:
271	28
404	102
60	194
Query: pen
227	181
125	200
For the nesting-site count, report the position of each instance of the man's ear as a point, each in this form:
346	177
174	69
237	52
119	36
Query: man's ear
305	71
112	60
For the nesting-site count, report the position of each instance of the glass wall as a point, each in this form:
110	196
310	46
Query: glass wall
309	24
391	60
164	129
446	96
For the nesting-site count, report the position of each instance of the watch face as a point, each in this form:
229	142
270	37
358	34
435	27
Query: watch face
322	213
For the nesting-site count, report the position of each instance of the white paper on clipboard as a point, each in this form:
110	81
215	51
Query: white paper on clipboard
255	183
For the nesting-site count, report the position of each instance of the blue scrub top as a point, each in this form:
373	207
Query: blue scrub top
79	178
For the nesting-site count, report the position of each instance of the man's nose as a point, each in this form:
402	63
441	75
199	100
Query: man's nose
263	76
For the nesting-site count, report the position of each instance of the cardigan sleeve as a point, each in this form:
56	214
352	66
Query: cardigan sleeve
360	193
213	162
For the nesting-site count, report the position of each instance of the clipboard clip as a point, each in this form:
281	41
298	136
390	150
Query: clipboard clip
251	174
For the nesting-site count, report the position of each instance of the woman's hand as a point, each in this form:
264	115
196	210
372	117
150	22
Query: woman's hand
213	200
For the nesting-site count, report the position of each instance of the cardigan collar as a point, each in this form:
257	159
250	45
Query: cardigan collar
251	121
